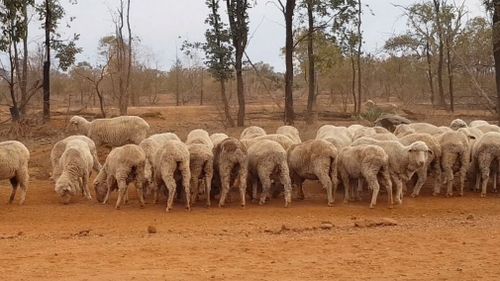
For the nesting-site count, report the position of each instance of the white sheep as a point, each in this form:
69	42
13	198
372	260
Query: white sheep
123	166
201	166
404	161
457	124
113	132
454	154
218	137
488	128
432	164
266	160
313	160
60	147
486	151
338	136
199	136
477	123
76	164
171	162
367	162
353	128
384	137
14	158
252	132
403	130
285	141
290	132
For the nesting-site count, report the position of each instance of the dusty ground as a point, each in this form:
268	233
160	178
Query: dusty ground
435	238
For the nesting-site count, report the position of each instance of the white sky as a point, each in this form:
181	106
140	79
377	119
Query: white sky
159	23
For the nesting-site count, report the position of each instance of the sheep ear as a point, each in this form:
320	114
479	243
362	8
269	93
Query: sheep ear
430	152
472	137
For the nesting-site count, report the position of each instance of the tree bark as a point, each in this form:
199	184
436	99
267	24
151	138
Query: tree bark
358	56
437	10
353	85
449	64
23	83
288	13
201	87
429	73
46	64
311	97
129	59
225	103
496	51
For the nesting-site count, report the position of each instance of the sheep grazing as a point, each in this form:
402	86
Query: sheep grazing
313	160
384	137
488	128
171	163
123	166
427	128
454	150
201	167
352	129
338	136
199	136
477	123
266	160
367	162
230	163
404	161
432	164
252	132
486	151
218	137
60	147
403	130
76	164
390	121
457	124
112	132
284	141
14	158
290	132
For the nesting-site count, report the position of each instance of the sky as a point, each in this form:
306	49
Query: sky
162	26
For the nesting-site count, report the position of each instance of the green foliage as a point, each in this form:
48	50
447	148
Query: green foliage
12	22
371	114
218	51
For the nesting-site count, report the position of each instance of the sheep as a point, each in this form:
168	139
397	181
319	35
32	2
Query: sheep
171	162
230	162
457	124
477	123
123	165
454	148
387	107
427	128
488	128
290	132
113	132
267	159
384	137
486	150
199	136
404	161
201	166
368	132
252	132
218	137
14	158
364	161
338	136
60	147
76	163
433	162
284	141
403	130
313	160
390	121
353	128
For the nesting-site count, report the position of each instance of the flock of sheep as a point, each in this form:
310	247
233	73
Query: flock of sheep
209	165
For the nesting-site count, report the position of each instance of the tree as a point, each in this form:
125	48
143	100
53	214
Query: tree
439	30
495	5
50	13
218	52
237	11
288	12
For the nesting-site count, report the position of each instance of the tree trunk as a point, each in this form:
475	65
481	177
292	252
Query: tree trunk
177	91
46	64
429	73
437	10
358	56
289	112
353	85
23	84
201	87
129	58
449	64
311	97
225	103
496	51
241	94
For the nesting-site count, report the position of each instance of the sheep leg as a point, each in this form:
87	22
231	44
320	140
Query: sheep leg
171	187
243	176
15	184
225	178
421	179
85	183
388	186
347	186
359	189
139	187
195	184
326	182
208	189
287	184
122	191
437	180
264	177
484	168
399	189
109	183
374	186
186	176
255	188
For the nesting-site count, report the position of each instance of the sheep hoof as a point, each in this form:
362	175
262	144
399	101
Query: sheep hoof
435	193
188	209
483	195
448	195
461	194
117	207
330	204
221	205
262	202
243	206
167	210
413	195
390	206
495	190
372	207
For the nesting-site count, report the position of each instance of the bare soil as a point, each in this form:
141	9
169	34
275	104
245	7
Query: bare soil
435	238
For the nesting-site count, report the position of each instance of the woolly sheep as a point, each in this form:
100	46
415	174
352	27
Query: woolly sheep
403	130
284	141
384	137
60	147
218	137
171	162
123	166
230	162
477	123
199	136
267	159
14	158
313	160
353	128
338	136
252	132
454	149
486	150
113	132
290	132
404	161
488	128
457	124
76	164
427	128
432	164
364	161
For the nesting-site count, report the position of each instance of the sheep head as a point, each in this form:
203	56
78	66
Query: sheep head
80	124
417	154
